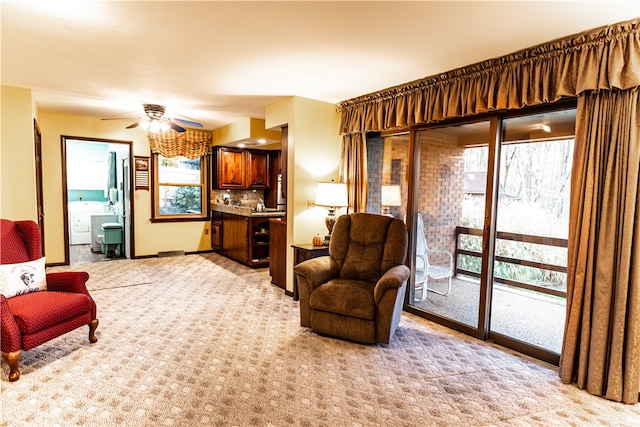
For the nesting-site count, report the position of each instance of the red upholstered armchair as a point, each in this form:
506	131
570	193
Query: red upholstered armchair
34	318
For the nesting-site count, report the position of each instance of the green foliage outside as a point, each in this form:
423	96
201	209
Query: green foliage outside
186	200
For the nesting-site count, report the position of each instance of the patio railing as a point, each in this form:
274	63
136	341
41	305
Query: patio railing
525	238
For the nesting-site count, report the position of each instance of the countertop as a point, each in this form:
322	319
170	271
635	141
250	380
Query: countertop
246	211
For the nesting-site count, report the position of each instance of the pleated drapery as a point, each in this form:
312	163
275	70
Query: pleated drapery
603	58
191	144
353	170
601	348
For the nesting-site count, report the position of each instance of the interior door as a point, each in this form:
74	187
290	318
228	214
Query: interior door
37	141
126	206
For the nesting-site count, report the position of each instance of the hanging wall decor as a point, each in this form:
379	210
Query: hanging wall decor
141	177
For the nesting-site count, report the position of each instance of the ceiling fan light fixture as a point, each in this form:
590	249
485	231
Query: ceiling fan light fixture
144	124
154	126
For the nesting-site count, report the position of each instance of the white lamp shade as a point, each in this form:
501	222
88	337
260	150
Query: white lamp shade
390	195
331	194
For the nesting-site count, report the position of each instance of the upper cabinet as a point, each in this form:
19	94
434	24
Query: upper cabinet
231	170
257	169
242	169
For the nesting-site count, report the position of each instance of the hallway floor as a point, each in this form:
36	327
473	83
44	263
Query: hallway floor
80	254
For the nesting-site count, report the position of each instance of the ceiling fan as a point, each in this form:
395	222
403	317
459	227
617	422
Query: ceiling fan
156	121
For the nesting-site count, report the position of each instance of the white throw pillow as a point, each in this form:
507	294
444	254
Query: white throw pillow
22	278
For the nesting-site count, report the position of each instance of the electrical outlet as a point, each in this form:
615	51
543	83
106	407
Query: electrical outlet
206	231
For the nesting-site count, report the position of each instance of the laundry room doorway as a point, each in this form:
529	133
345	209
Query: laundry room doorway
97	202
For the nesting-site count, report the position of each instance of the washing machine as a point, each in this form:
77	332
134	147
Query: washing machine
80	221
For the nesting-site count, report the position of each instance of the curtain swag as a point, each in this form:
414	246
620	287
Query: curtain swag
191	144
600	59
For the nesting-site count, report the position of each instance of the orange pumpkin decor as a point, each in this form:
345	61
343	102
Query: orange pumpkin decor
317	240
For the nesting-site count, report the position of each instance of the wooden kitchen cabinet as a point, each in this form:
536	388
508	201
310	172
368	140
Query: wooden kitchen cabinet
216	231
278	253
257	168
246	239
259	241
230	168
238	169
235	239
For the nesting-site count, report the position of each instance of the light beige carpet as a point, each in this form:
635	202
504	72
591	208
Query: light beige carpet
201	340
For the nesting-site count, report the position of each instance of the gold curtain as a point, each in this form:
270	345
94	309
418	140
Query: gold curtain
603	58
601	349
191	144
353	170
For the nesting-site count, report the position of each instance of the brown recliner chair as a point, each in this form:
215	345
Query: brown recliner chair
31	319
357	292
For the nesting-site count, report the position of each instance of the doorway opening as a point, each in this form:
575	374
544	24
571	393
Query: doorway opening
97	195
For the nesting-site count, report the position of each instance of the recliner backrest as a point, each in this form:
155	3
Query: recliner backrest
19	241
365	246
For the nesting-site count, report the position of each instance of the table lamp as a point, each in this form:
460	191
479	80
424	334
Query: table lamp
389	196
332	195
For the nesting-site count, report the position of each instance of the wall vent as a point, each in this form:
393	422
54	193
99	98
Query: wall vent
170	253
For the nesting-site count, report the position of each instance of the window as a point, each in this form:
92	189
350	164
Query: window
179	188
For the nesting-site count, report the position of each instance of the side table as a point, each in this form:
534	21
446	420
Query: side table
303	252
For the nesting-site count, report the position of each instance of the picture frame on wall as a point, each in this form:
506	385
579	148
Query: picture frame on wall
141	172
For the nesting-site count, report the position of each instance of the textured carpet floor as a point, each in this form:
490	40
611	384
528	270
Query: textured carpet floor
201	340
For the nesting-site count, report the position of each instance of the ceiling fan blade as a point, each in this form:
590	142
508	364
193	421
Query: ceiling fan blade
133	125
175	127
189	123
119	118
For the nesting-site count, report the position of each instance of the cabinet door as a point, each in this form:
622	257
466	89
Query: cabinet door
235	239
257	169
278	253
230	168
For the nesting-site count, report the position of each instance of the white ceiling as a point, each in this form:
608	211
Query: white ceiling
220	62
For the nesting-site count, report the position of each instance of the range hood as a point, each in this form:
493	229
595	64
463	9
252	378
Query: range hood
249	132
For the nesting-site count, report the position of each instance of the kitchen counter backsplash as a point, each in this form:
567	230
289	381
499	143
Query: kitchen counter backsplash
245	210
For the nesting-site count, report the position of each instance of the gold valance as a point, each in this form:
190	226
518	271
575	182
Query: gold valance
602	58
191	144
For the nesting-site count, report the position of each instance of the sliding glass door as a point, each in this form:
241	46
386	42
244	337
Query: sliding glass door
528	301
489	212
449	206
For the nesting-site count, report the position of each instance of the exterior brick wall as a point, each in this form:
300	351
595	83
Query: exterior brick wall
441	193
387	163
440	186
375	159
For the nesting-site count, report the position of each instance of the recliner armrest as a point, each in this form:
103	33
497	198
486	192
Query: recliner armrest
317	270
392	279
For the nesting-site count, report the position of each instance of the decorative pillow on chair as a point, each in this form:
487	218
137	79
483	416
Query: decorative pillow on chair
22	278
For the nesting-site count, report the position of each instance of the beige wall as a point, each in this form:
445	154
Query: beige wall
149	238
314	147
17	161
314	155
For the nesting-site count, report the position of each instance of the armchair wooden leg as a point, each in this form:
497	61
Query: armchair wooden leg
12	359
92	331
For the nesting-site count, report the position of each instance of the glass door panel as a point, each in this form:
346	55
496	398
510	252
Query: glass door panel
528	298
449	204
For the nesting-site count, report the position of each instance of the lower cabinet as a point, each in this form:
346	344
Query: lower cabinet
278	253
246	239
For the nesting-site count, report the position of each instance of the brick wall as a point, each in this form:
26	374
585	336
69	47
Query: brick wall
441	193
375	158
387	163
440	184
